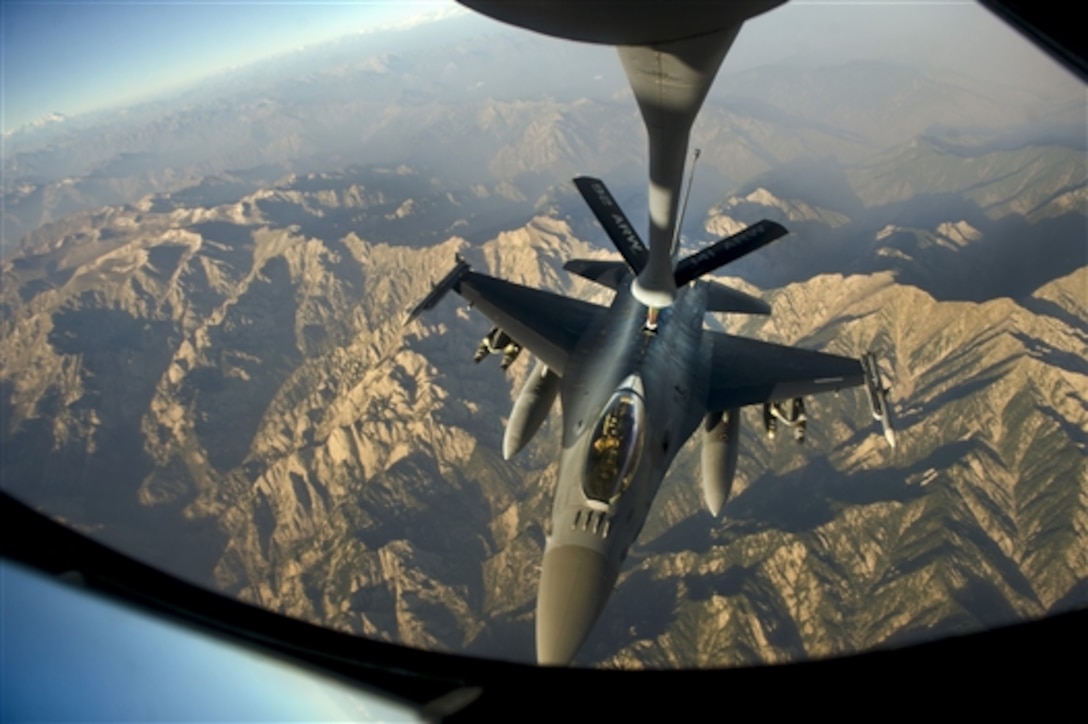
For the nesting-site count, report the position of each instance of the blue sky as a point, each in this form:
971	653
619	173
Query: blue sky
78	56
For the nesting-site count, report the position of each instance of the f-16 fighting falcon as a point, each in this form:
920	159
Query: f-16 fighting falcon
637	378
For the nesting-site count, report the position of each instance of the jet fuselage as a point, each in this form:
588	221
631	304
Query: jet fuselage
635	383
630	399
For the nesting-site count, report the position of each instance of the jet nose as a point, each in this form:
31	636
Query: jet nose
575	583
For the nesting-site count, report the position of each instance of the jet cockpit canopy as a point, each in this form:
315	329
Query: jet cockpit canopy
616	445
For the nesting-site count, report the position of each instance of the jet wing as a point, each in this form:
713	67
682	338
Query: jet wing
548	325
747	372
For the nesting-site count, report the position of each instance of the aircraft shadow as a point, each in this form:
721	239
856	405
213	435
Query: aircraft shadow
811	496
803	499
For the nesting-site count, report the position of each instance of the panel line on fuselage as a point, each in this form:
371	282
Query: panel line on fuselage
670	361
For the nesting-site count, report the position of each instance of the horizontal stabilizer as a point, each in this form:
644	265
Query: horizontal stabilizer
605	273
613	220
727	250
720	298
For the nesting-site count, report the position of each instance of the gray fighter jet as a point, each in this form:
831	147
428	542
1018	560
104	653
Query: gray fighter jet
638	377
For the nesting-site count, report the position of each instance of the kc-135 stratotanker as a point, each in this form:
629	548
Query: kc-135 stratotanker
637	378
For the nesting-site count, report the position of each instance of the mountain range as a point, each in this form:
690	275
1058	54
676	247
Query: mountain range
204	362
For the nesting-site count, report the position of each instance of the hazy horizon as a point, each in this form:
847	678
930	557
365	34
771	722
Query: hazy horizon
75	58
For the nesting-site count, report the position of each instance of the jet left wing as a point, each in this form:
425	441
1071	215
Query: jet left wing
746	371
548	325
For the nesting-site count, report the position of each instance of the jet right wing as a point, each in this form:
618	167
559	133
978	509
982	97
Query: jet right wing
548	325
746	371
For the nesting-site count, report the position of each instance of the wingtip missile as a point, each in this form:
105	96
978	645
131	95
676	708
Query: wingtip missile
439	289
878	397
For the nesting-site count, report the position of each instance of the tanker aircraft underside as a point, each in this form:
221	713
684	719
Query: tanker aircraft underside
632	392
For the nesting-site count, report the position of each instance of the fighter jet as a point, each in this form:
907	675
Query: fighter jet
632	393
637	378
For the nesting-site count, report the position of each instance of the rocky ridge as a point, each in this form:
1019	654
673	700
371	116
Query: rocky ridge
226	391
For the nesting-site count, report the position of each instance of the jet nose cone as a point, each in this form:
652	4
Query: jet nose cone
575	583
